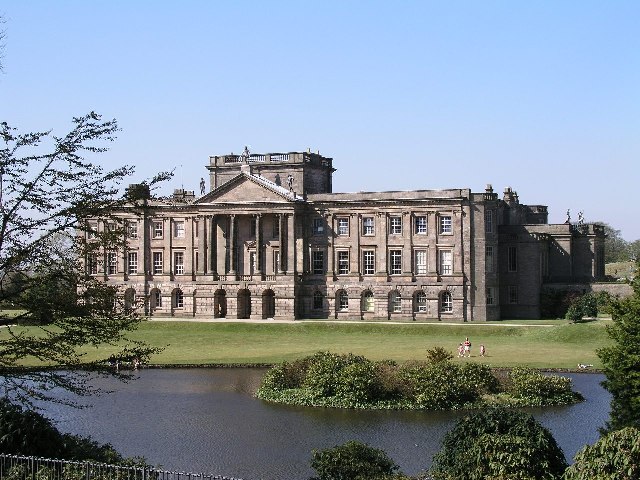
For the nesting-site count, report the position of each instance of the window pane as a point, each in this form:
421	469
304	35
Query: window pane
317	260
445	224
343	226
368	262
421	262
343	262
421	225
395	259
395	225
367	226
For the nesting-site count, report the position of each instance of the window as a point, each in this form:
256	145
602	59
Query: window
132	229
276	261
178	263
178	229
343	301
488	259
157	229
395	302
421	225
367	301
318	300
421	302
179	299
491	299
157	263
343	226
395	225
343	262
92	261
513	294
196	228
445	224
157	299
421	262
446	262
317	262
132	261
488	221
512	263
276	227
318	226
368	262
395	262
368	226
92	230
446	302
112	263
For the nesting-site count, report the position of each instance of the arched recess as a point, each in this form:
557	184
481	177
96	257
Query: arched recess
268	304
129	300
367	303
220	304
342	301
446	303
155	300
177	300
244	304
420	302
395	302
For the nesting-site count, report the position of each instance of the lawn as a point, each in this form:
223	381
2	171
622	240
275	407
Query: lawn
555	344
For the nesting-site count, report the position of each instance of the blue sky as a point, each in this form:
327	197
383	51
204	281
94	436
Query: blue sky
540	96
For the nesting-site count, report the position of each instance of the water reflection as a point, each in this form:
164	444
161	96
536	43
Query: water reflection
206	420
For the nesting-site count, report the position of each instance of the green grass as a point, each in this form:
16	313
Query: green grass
539	344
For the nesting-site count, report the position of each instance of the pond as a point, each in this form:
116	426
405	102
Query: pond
207	420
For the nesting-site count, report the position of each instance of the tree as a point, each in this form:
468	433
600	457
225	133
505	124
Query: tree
616	248
498	443
616	456
49	186
352	461
620	361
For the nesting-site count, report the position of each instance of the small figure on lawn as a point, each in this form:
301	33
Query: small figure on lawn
482	350
460	350
467	347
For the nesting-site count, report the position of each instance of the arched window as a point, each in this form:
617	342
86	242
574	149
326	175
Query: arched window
156	299
343	301
421	302
395	302
318	300
446	302
178	299
367	301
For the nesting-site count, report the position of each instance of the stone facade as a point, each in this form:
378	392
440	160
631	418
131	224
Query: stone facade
271	240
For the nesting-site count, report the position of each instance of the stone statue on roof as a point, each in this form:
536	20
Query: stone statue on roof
245	154
202	186
290	182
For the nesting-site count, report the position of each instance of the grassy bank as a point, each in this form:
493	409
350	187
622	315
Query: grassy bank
556	344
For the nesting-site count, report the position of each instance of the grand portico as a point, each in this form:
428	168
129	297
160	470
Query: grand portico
271	240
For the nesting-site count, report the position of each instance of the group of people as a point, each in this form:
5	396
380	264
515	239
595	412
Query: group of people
464	349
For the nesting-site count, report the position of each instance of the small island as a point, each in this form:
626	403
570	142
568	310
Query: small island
350	381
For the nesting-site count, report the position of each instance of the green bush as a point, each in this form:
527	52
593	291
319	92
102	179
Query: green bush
616	456
437	386
480	377
438	354
498	443
352	461
534	388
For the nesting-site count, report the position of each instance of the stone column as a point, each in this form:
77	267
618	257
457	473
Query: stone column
259	268
291	245
201	267
279	267
331	253
231	244
212	258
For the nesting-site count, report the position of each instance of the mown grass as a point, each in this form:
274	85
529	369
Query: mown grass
549	344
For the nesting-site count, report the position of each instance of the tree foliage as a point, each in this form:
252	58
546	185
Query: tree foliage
616	248
352	461
616	456
498	443
49	186
621	361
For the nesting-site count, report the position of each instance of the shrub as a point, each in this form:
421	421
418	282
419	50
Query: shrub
615	456
480	377
352	461
538	389
437	386
438	354
498	443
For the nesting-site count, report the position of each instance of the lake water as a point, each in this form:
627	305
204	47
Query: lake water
207	420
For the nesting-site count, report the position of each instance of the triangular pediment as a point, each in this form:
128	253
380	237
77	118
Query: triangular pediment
246	188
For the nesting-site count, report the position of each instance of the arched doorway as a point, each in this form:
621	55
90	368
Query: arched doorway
220	304
268	304
244	303
129	300
177	301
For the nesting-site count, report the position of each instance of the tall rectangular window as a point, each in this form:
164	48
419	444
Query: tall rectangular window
343	226
112	263
343	262
421	225
132	229
368	262
157	263
318	225
368	226
446	262
276	260
317	262
491	300
157	229
92	261
92	230
445	224
488	259
178	263
488	221
512	260
178	229
395	225
421	262
132	261
513	294
395	262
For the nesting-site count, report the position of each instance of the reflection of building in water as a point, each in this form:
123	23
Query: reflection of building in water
254	248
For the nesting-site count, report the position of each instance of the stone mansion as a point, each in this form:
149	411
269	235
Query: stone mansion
271	240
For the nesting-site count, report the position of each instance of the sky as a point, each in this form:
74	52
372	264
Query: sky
540	96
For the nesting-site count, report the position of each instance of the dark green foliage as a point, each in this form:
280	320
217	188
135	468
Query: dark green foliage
438	354
24	432
554	303
534	388
621	361
498	443
616	456
584	306
352	461
480	377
